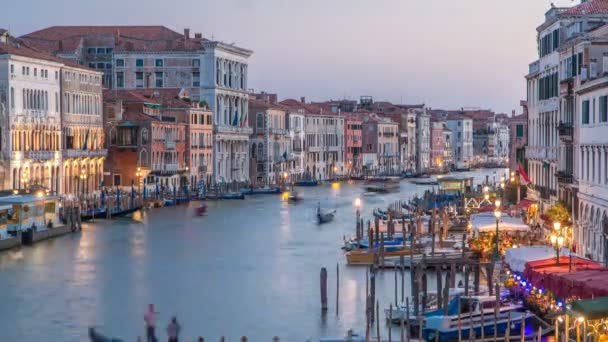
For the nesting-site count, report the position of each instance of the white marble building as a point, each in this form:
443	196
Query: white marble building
423	142
324	145
297	138
591	168
224	88
30	117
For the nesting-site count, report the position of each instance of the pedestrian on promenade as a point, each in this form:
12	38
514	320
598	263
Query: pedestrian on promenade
173	329
150	319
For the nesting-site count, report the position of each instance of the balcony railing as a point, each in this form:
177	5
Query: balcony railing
565	131
170	144
73	153
165	168
39	155
277	131
564	177
234	130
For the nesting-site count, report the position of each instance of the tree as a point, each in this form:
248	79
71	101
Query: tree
560	213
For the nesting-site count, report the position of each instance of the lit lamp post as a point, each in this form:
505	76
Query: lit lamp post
285	176
497	214
336	172
358	206
557	240
502	190
83	178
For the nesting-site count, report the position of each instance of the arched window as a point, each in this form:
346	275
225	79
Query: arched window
113	136
144	136
253	151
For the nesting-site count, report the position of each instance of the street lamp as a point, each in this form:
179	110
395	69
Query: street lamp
358	206
557	239
83	178
497	213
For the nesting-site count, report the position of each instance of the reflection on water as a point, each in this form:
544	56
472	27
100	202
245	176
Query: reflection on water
247	268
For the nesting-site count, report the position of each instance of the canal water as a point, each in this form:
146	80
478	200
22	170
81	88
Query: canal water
247	268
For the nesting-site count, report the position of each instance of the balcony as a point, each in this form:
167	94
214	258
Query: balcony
73	153
39	155
565	131
564	177
170	144
165	168
202	168
233	130
277	131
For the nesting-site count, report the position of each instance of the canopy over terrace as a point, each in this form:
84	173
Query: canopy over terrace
581	282
518	257
486	222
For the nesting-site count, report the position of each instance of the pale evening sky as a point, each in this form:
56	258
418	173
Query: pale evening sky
445	53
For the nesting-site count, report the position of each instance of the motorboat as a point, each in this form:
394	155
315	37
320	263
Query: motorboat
201	210
294	196
477	313
261	191
309	182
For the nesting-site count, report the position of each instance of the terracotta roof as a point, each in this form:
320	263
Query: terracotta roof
297	105
138	32
166	97
266	105
589	7
16	46
56	39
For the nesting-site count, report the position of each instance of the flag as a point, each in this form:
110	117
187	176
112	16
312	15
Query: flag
523	174
86	141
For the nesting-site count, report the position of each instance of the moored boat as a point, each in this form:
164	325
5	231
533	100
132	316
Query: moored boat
477	313
366	256
310	182
294	196
261	191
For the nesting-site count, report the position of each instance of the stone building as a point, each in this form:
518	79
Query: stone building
30	120
224	88
518	130
141	137
423	142
269	141
353	143
437	145
83	142
297	144
157	57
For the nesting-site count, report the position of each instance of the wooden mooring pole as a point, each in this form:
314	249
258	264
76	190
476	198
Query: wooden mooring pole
323	289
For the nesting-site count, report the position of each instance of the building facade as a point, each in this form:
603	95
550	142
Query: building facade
224	88
146	145
437	145
30	131
269	142
297	139
423	142
518	130
324	146
353	144
83	142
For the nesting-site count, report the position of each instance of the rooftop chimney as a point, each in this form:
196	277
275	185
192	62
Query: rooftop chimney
198	35
303	99
186	33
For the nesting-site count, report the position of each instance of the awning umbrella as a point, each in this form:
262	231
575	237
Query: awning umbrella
592	308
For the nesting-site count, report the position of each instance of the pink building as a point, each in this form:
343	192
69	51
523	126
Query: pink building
353	141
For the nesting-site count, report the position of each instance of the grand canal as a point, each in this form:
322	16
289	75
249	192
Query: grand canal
247	268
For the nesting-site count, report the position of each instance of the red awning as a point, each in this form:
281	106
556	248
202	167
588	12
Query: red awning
525	204
546	274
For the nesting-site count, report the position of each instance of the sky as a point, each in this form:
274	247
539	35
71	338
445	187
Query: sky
445	53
